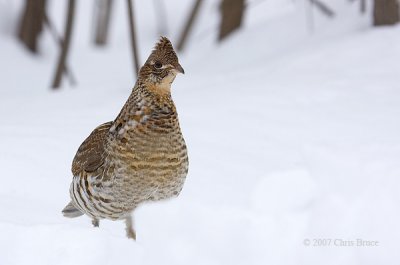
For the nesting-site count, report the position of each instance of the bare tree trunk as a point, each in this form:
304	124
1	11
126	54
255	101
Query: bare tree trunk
31	23
65	47
188	25
386	12
133	37
102	21
231	17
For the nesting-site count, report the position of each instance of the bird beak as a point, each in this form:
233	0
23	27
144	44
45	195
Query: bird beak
180	69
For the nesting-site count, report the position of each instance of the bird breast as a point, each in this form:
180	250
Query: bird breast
151	157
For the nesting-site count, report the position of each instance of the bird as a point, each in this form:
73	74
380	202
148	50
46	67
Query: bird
141	156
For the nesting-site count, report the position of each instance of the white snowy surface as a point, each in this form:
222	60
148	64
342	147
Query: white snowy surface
291	136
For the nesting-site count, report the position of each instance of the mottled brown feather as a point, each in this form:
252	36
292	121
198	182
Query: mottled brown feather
91	154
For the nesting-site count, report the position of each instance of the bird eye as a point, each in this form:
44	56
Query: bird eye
157	65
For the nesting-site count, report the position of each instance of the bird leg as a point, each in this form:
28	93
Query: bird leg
130	231
95	222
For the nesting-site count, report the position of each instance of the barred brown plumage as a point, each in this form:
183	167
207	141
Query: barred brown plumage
140	156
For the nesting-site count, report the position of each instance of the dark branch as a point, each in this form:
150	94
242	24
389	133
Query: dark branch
189	24
323	8
58	39
64	51
133	36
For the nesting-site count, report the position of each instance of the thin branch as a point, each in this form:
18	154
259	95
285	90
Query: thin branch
58	39
323	8
64	51
133	36
102	23
189	24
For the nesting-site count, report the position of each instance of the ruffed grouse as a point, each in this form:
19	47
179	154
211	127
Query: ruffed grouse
140	156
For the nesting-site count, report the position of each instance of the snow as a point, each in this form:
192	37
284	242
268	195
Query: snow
292	136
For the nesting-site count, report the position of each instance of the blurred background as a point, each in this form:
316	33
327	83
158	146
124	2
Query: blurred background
290	110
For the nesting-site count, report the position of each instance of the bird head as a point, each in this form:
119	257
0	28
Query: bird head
162	66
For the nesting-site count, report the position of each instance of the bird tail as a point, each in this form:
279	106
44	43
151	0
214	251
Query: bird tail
71	211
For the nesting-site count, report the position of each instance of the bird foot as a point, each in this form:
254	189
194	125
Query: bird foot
95	222
130	231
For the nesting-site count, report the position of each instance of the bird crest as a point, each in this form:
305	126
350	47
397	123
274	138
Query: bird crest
162	63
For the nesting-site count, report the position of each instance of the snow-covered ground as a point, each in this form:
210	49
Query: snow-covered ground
291	136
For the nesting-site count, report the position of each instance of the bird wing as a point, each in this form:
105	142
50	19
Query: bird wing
91	154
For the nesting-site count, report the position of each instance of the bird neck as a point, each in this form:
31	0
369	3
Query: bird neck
148	98
143	105
157	94
160	88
